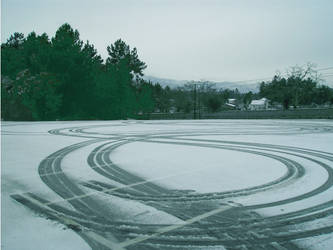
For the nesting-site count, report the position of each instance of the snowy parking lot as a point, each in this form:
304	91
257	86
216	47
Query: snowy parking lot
182	184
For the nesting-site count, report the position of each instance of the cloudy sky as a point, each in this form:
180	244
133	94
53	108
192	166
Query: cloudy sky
220	40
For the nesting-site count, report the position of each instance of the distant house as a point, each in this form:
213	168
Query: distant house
232	103
261	104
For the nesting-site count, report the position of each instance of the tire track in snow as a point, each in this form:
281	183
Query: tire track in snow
214	229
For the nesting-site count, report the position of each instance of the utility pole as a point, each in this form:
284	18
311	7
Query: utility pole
195	101
199	104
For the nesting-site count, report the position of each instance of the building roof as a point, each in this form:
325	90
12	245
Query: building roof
232	100
230	105
262	101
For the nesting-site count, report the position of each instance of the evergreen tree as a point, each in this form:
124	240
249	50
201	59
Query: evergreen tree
299	88
72	65
145	100
12	61
121	51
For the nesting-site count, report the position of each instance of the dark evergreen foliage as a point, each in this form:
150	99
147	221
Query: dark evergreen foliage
299	88
65	78
120	51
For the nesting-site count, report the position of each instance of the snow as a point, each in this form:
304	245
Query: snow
175	166
24	145
126	209
317	242
21	229
21	154
186	167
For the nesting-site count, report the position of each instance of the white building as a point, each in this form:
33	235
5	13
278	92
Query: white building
261	104
232	103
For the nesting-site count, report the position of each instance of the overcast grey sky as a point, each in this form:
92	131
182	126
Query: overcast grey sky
221	40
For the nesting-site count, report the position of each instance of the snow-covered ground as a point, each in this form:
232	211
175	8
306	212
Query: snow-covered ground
188	166
23	146
278	167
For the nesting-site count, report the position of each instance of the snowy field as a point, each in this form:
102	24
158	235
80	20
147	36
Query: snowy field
183	184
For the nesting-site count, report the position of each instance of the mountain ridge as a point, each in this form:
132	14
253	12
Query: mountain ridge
172	83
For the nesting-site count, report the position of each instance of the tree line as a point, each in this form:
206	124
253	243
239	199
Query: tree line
299	88
64	78
205	97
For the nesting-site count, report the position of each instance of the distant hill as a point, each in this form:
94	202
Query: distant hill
166	82
242	87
